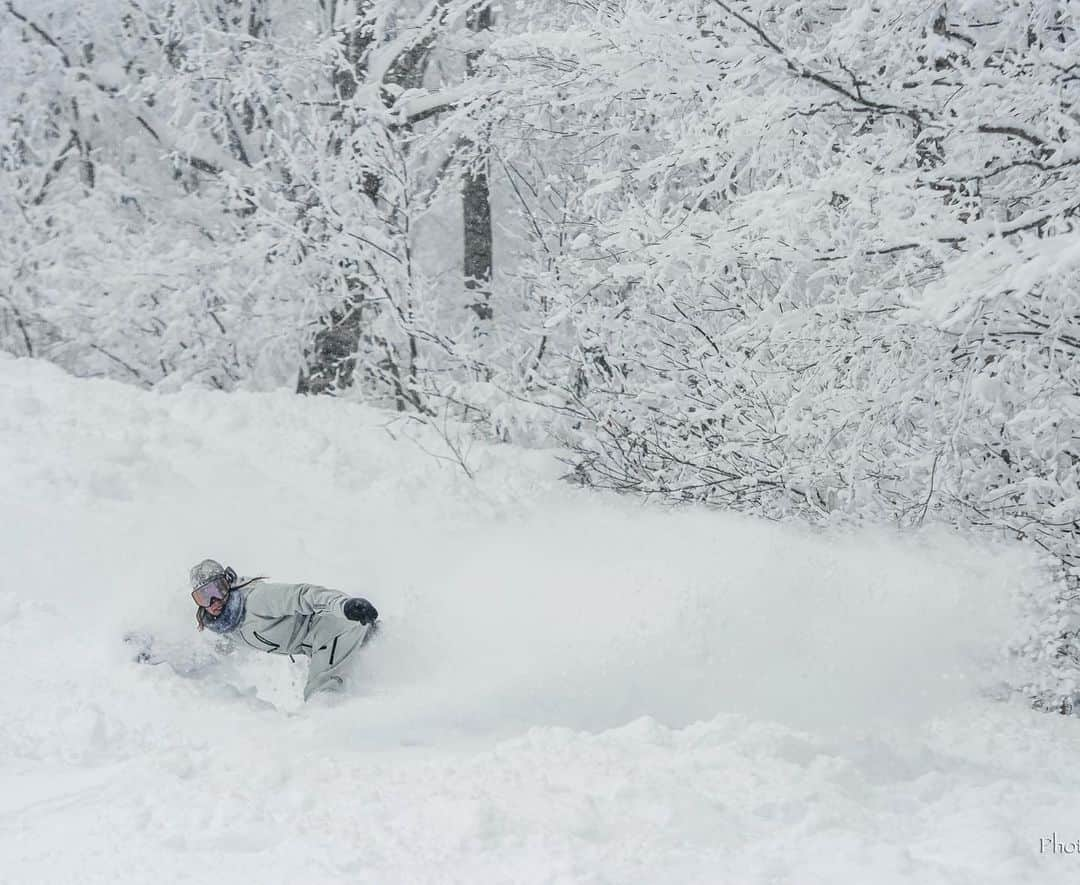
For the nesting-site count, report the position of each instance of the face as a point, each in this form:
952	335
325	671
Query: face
212	596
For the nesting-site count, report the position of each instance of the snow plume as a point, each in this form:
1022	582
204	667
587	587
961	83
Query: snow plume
599	612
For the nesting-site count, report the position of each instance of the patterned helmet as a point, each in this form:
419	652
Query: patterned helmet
210	570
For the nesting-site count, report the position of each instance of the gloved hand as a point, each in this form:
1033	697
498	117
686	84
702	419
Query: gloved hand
360	610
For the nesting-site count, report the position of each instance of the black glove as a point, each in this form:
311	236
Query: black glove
360	610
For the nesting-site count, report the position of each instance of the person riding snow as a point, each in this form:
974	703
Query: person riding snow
285	619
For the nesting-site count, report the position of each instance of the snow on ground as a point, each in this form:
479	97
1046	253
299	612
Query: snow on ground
569	687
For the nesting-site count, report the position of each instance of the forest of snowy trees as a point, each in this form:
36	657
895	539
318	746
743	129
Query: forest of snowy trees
783	256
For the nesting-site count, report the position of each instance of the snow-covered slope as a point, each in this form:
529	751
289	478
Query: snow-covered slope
569	687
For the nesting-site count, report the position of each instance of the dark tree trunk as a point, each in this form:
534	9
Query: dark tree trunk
332	362
476	205
476	201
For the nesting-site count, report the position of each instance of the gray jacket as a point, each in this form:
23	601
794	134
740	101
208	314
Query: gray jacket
283	618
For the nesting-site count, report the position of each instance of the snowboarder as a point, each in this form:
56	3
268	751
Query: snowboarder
285	619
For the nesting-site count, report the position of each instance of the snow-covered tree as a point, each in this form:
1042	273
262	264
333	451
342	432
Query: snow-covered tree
777	255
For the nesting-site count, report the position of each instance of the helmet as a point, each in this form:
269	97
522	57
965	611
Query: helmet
210	570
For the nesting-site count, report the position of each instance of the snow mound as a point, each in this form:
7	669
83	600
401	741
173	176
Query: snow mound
569	687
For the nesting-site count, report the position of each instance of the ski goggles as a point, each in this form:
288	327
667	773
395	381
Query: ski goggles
210	591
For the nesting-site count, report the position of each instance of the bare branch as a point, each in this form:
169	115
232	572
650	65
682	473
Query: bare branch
805	73
40	32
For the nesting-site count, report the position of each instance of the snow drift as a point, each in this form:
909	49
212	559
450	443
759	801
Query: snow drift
569	687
